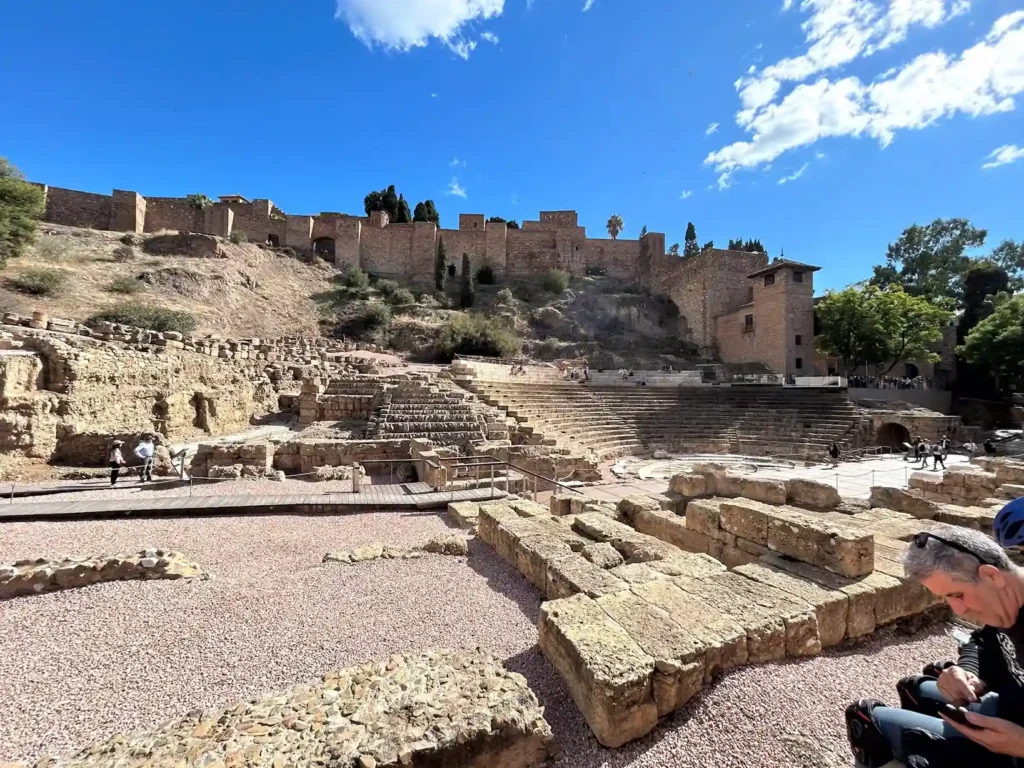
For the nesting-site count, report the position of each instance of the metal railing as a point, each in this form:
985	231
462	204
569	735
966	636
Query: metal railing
489	462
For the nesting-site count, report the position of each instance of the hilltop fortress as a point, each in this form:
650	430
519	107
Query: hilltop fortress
750	310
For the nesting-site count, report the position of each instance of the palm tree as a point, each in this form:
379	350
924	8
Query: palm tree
615	226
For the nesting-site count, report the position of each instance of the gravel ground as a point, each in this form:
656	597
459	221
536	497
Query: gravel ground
81	664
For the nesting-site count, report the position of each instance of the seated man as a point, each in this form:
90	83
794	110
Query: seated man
979	582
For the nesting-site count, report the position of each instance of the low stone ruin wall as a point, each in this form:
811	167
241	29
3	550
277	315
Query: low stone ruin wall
435	708
304	456
32	577
959	485
256	457
636	624
90	449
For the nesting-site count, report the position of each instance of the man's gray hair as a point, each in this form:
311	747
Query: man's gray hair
921	562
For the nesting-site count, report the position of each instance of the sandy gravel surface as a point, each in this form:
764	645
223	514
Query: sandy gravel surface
80	664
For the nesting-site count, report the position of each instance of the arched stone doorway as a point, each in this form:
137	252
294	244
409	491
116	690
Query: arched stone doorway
324	247
893	435
912	371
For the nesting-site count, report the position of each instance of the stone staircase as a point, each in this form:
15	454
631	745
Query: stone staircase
612	421
445	416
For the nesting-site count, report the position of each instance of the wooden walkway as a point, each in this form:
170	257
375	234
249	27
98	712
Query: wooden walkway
386	498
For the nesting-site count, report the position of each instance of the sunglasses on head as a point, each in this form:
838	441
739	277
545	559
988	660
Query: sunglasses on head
921	540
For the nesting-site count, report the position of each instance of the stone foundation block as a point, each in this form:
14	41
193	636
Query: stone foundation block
608	673
573	575
689	485
811	494
903	501
603	555
833	547
765	490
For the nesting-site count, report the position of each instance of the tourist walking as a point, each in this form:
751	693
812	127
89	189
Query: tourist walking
833	453
938	456
116	460
145	450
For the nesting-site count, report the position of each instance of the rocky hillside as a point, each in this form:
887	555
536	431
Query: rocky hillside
243	290
235	290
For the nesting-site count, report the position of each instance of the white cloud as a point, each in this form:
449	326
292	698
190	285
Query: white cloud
588	5
787	4
819	155
713	128
456	163
724	181
981	80
795	175
685	194
433	95
490	37
455	189
1009	153
406	24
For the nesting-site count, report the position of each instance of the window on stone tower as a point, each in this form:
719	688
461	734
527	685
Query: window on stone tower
451	270
799	363
798	277
799	340
769	280
273	240
748	323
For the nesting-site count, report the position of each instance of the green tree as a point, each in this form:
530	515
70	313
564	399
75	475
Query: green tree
21	207
911	326
402	213
385	200
997	342
513	224
708	246
425	211
736	245
982	281
440	265
673	249
1010	256
753	246
690	247
643	230
848	327
930	260
614	226
467	292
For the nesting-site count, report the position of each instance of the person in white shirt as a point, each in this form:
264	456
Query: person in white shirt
145	450
116	460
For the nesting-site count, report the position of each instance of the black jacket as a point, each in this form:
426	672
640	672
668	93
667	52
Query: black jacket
994	655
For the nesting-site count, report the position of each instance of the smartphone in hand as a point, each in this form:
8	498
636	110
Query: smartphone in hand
957	715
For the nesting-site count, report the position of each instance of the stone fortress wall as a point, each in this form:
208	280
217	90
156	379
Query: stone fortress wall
746	317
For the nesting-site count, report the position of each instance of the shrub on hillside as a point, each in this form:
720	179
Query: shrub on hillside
126	285
401	296
49	248
475	335
595	271
124	253
387	287
485	275
147	316
355	278
238	238
556	281
21	207
523	292
40	282
505	296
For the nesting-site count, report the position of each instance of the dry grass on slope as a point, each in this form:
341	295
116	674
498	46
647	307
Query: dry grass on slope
253	292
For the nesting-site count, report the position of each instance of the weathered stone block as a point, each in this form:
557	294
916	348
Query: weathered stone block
603	555
688	564
689	485
745	519
765	490
637	573
633	505
703	516
903	501
811	494
835	548
464	513
571	575
607	672
678	655
535	554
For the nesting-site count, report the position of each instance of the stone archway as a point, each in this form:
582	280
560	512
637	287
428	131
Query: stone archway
324	247
892	435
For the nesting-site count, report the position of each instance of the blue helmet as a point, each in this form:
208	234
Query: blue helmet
1009	524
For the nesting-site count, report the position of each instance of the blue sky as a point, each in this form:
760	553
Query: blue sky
875	114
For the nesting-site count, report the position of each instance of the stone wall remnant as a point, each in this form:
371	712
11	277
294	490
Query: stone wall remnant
459	709
32	577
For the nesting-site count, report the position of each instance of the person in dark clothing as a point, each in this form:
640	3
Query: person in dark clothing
985	687
938	456
116	460
989	448
833	453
